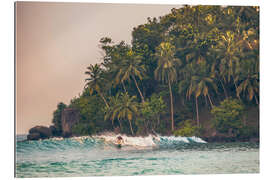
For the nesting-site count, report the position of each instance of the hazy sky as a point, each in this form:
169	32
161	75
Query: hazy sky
56	42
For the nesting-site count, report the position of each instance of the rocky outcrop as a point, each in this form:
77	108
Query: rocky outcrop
69	118
39	132
33	136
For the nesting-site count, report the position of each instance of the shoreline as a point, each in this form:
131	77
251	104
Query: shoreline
210	139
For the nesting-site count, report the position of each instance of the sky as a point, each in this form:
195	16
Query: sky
55	42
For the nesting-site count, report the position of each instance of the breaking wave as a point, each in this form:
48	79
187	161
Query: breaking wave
107	141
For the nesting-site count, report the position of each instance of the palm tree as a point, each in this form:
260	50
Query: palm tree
114	101
229	49
125	108
94	82
251	86
249	81
131	68
198	83
166	69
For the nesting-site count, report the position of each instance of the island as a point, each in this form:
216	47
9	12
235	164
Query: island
192	72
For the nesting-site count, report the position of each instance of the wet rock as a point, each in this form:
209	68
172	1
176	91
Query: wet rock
43	131
33	136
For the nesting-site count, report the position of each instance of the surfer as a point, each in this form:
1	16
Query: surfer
119	141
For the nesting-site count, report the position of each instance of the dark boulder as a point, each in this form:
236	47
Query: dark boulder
43	131
33	136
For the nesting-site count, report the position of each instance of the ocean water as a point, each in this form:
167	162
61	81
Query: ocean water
164	155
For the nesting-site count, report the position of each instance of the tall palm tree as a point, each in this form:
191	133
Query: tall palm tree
94	82
125	108
251	86
229	50
198	82
131	68
109	110
166	69
249	82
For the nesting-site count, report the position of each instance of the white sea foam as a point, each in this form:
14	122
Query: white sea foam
131	141
148	141
57	138
197	139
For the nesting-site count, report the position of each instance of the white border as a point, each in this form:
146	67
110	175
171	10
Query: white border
7	87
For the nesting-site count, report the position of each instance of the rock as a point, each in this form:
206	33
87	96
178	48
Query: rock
54	131
70	117
43	131
33	136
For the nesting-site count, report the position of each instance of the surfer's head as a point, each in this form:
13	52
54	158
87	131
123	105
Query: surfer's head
119	138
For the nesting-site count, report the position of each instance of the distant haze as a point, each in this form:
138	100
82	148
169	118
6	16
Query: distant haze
55	42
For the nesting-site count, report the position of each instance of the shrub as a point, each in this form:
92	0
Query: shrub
82	129
151	112
57	118
227	116
247	132
187	129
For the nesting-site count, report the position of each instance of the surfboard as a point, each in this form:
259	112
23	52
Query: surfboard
118	145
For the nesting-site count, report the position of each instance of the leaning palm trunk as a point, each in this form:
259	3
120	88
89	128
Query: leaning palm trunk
120	125
171	97
197	112
101	95
124	86
234	82
210	100
256	99
138	88
224	89
131	127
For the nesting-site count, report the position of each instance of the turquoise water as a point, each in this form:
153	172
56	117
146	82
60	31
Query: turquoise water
98	156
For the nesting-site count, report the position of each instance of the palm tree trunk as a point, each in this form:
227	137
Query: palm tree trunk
120	124
171	97
244	121
210	100
138	88
206	101
224	89
256	99
131	127
124	86
197	112
101	95
235	88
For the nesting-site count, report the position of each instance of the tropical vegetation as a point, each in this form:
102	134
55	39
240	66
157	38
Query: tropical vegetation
193	60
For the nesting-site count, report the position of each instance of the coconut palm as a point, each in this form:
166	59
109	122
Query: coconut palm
113	61
94	82
166	70
251	86
229	49
114	101
198	82
131	68
249	81
125	108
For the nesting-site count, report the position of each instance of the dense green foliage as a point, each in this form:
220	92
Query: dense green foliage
193	57
91	114
187	129
228	116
